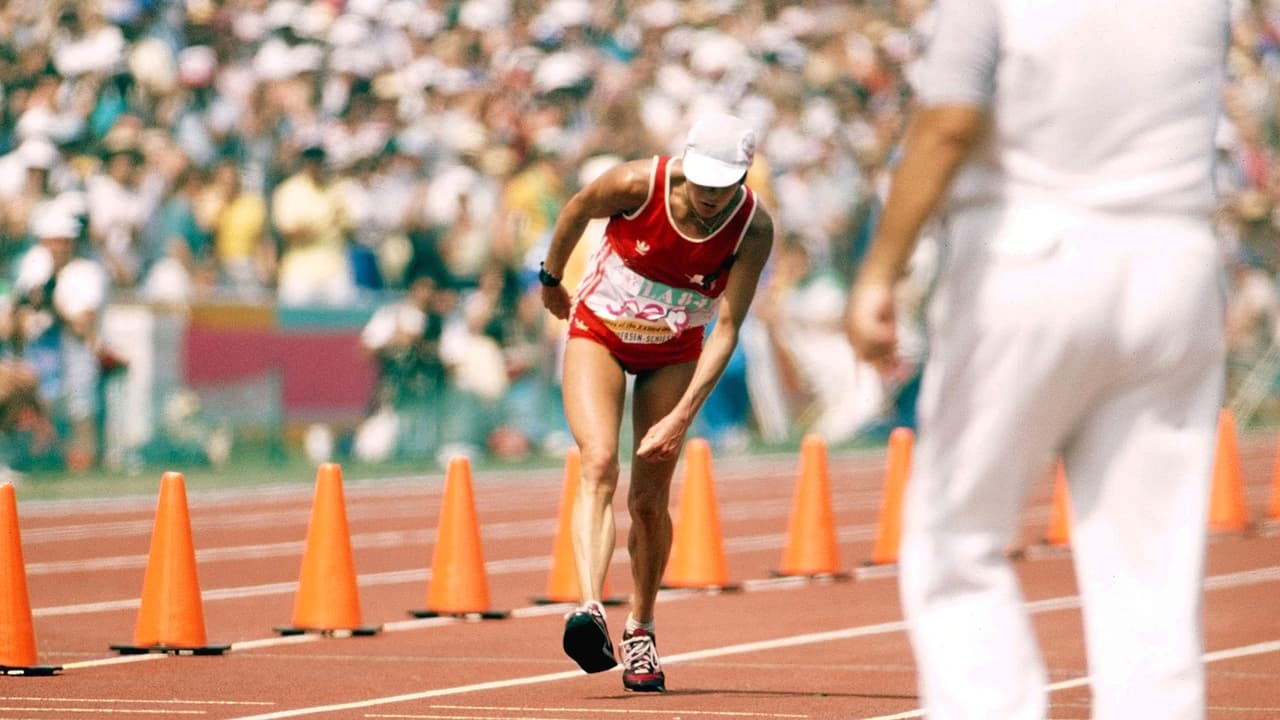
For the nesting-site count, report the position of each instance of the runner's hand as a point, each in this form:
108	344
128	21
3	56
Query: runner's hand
556	299
663	440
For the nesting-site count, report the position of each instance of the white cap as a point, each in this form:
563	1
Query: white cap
197	65
719	150
82	285
37	152
54	222
559	71
35	267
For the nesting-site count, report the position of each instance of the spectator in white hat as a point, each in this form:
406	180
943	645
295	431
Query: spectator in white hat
59	303
26	186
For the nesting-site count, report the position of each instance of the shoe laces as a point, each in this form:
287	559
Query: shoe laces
640	653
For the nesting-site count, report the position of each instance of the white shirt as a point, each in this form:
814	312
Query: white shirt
391	320
1117	115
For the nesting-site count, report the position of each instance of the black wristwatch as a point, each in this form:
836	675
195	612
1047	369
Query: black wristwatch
546	278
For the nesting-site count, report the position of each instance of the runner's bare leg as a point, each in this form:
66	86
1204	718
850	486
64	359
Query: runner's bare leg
594	390
656	392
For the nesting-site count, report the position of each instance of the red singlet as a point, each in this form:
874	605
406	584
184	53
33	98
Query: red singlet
650	290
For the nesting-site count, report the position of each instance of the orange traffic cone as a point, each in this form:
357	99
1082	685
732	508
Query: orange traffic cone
459	582
885	550
697	550
171	616
811	548
1059	531
562	581
327	600
1228	509
17	636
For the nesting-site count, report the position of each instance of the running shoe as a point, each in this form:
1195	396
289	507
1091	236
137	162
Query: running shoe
586	639
641	668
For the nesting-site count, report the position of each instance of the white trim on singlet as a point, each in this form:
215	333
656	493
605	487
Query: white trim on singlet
742	198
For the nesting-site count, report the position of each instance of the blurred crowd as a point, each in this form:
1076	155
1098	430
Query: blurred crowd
415	153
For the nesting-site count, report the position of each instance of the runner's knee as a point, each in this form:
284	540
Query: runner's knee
600	467
647	508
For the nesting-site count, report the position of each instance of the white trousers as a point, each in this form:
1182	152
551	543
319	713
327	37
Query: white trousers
1098	340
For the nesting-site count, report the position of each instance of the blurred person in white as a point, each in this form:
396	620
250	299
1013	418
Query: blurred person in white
403	337
1254	306
471	351
1079	314
819	186
1253	299
122	195
531	416
307	212
85	42
839	393
60	297
461	201
24	185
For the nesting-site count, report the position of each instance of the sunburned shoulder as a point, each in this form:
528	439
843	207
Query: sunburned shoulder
633	176
626	185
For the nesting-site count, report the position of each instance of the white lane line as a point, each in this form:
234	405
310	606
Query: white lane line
394	538
442	692
135	701
277	641
1209	657
396	626
516	529
900	716
431	484
247	519
790	641
1244	651
437	716
1249	577
614	711
509	529
119	660
168	712
580	711
537	563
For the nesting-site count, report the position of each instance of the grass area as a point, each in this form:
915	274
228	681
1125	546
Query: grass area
248	468
260	465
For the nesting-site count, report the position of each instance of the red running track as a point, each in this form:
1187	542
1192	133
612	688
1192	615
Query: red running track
777	650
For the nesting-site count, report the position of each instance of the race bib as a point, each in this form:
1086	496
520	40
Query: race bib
643	311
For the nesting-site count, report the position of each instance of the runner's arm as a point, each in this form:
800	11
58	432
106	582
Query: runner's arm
621	188
664	438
